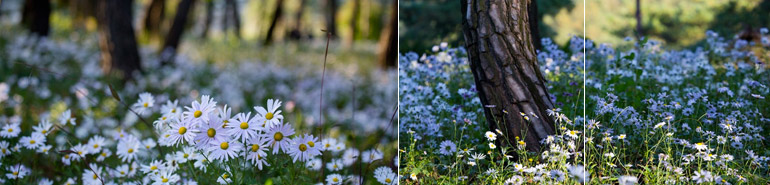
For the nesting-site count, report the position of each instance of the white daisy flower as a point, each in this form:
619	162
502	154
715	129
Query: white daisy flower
350	156
244	126
224	179
182	131
627	180
334	179
43	149
212	132
385	176
702	176
127	148
10	130
153	167
144	104
328	144
66	118
79	151
44	127
17	171
165	177
170	108
279	137
92	175
188	153
256	151
149	144
371	156
224	150
106	152
4	150
272	115
491	136
334	165
200	111
304	148
700	146
95	144
121	171
314	164
34	141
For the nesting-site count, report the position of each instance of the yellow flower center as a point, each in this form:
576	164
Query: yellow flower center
388	180
254	147
44	131
224	145
311	143
244	125
130	150
96	145
278	136
165	180
122	172
182	130
145	105
66	156
173	110
80	152
302	147
104	154
10	130
186	155
15	173
211	132
335	179
269	116
225	176
95	176
197	113
31	141
153	167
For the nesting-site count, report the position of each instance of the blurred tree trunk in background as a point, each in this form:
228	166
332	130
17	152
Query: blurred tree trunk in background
116	37
354	21
233	16
36	16
175	33
81	10
534	23
153	17
331	17
276	18
209	17
296	33
638	20
388	46
504	66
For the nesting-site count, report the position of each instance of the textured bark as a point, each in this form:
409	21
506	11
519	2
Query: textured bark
534	26
174	35
331	17
388	45
504	66
208	19
274	23
153	17
116	37
36	16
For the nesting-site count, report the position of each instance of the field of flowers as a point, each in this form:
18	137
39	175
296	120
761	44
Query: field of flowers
193	122
652	116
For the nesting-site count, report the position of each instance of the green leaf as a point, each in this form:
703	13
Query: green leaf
114	93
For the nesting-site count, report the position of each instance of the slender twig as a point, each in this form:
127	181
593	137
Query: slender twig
321	100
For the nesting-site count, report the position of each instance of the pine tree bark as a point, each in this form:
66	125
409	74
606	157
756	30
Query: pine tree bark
534	24
153	17
234	16
116	37
504	66
638	20
388	46
36	16
276	17
171	44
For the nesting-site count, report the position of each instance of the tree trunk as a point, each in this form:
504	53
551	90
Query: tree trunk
208	19
331	17
36	16
296	33
638	20
153	17
504	66
116	37
81	10
534	24
234	15
175	33
354	20
276	18
388	46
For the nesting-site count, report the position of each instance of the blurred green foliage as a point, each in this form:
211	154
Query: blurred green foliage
425	23
678	23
